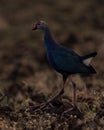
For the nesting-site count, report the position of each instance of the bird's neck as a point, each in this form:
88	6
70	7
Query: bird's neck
48	40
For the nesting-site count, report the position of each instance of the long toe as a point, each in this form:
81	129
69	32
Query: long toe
38	107
74	110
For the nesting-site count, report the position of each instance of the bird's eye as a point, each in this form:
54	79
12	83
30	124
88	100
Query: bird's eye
38	23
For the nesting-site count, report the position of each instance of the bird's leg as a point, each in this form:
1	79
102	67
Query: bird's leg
42	105
57	95
74	101
61	91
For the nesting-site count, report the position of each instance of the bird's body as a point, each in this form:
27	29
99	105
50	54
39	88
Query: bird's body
63	60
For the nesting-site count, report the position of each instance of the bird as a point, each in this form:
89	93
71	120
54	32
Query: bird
64	60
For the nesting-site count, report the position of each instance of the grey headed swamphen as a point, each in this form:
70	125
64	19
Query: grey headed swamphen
64	61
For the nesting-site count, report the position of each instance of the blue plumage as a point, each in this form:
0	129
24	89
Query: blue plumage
63	60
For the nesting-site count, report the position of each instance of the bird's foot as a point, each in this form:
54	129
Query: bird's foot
39	106
73	110
42	105
49	102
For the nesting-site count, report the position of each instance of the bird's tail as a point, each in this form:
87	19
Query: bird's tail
92	70
87	58
89	55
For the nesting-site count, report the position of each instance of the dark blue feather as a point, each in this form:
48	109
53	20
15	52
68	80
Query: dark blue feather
64	60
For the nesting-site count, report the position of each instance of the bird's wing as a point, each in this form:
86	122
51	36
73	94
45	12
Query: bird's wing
66	50
66	61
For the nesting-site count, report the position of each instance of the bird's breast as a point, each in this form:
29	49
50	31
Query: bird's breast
51	60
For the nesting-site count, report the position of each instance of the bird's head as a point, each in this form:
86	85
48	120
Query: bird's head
42	25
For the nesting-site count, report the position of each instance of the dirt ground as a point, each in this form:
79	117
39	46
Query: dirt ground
26	79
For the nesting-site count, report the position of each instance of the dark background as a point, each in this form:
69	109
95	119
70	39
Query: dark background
76	24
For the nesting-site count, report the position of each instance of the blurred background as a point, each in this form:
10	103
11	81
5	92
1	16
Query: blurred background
76	24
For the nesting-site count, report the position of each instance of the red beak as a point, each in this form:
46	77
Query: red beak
34	28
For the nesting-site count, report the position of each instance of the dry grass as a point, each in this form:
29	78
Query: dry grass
26	78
